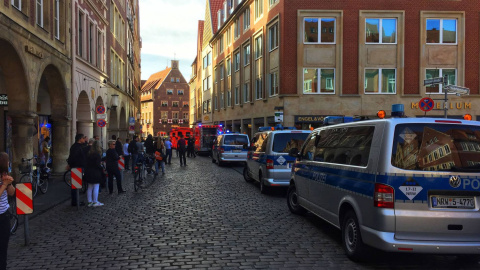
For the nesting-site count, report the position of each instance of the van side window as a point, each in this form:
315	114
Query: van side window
349	145
309	149
259	143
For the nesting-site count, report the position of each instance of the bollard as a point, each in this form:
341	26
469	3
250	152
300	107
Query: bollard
24	200
76	176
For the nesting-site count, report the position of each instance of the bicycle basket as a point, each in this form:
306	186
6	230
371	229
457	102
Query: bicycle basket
25	167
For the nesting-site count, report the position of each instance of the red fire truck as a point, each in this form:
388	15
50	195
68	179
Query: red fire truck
176	132
204	136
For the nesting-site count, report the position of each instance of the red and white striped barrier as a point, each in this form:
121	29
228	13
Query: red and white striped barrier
76	176
24	197
121	163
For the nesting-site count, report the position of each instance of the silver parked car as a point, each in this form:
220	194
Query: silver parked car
399	184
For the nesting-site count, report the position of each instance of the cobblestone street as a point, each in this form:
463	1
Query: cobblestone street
197	217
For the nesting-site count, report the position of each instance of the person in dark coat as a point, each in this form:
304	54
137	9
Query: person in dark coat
149	147
182	149
191	147
77	159
94	173
112	168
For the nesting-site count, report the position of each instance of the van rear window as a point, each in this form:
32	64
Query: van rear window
235	140
436	147
283	142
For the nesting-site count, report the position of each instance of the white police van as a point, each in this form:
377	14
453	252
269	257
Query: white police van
230	147
398	184
268	161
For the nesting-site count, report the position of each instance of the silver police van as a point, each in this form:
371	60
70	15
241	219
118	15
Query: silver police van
230	147
398	184
268	161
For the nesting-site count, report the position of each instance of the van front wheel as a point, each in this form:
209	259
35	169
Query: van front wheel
352	241
292	201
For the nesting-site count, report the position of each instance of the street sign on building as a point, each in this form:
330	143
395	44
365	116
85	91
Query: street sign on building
100	109
131	121
278	117
131	129
426	104
3	100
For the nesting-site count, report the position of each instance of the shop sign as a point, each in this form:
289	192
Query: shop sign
3	100
309	118
451	105
278	117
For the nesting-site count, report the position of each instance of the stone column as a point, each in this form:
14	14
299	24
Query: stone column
61	143
84	127
23	129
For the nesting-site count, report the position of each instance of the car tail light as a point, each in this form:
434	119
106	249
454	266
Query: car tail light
269	163
383	197
221	150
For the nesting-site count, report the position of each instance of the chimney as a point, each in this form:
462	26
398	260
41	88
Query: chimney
174	64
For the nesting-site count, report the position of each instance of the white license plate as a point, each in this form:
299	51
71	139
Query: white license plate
453	202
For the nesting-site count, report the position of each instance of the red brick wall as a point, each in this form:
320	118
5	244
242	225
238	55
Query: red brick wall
289	33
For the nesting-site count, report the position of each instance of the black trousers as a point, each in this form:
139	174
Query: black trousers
4	238
127	162
183	159
118	176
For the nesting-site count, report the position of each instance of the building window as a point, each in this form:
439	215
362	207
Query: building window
246	19
433	73
177	80
388	28
237	95
80	34
236	61
380	81
272	2
258	9
99	50
40	13
207	83
441	31
229	98
222	72
228	33
215	102
207	60
185	115
229	67
258	47
180	92
17	4
175	104
273	37
169	91
310	81
273	84
246	93
175	115
185	104
172	79
246	55
164	103
319	30
56	19
236	31
258	88
90	43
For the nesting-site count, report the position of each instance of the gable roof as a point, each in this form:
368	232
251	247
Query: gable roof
156	80
215	5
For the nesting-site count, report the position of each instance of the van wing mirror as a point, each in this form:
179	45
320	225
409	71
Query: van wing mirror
294	152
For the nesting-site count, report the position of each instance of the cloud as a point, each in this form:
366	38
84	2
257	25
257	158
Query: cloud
169	29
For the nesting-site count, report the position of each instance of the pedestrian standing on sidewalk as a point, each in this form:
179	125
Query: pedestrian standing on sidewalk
6	189
149	147
77	159
168	149
182	148
46	150
93	173
112	168
160	148
118	146
126	154
191	147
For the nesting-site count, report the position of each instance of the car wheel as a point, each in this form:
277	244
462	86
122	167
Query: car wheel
220	163
292	201
263	187
246	176
352	241
213	160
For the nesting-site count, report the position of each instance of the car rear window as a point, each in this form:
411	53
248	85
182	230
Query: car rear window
283	142
436	147
235	140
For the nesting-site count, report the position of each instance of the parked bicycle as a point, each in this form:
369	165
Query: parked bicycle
144	174
37	174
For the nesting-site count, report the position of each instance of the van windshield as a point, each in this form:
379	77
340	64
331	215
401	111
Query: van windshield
236	140
283	142
436	147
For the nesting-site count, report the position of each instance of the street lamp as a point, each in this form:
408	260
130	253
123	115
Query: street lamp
114	102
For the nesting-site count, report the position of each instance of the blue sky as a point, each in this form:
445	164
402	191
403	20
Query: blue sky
169	29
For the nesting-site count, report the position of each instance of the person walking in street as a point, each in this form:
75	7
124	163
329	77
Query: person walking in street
182	148
112	168
93	173
126	154
191	147
168	149
133	150
77	159
149	148
160	153
118	146
46	150
6	189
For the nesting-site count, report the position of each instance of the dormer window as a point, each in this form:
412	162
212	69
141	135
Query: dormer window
219	18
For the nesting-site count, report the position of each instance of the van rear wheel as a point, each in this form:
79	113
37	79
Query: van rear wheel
263	188
292	201
352	241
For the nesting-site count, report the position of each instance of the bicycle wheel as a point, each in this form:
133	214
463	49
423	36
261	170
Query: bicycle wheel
67	178
43	185
12	212
35	183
